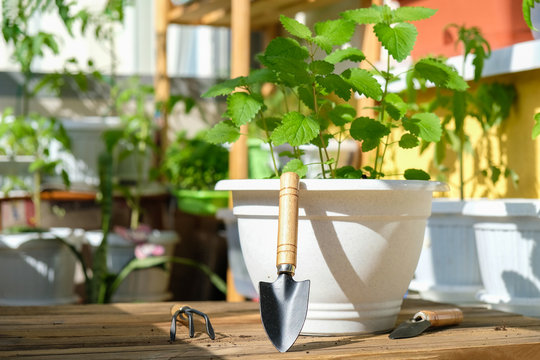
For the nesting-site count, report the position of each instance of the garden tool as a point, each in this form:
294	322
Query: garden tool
180	311
284	302
425	319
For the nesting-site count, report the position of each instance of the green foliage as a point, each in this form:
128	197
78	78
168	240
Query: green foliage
527	6
536	128
489	104
295	67
195	164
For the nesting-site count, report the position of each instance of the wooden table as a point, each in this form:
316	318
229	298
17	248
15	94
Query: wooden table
141	331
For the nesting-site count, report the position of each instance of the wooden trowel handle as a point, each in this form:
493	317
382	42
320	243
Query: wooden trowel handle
287	223
440	317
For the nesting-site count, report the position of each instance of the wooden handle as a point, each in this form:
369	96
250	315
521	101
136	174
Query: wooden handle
287	222
440	317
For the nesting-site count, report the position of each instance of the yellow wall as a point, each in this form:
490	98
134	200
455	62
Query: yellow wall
513	145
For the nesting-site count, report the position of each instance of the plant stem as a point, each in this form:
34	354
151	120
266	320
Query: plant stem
36	198
381	119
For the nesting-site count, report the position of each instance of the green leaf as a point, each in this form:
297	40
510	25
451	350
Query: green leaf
295	129
306	96
429	126
351	54
268	123
321	67
261	76
286	48
369	131
295	28
527	6
349	172
335	83
412	13
416	174
242	108
296	165
342	114
322	143
223	132
395	106
332	33
440	74
536	128
225	88
408	141
371	15
363	83
459	109
398	40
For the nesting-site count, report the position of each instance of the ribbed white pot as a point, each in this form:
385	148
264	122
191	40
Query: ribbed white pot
37	269
140	285
508	242
448	269
358	242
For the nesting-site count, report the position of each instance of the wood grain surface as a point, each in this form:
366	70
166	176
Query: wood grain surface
141	331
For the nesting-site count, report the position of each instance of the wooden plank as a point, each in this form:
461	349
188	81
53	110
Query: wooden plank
141	331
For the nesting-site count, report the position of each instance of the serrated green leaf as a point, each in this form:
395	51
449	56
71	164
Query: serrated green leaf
459	109
295	28
342	114
429	126
371	15
296	165
351	54
398	40
536	128
321	67
363	83
334	83
306	96
349	172
369	131
416	174
221	133
412	13
225	88
333	33
285	47
395	106
242	108
440	74
295	129
408	141
322	143
260	76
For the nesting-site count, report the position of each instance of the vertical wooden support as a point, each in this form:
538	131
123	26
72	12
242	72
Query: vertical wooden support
240	64
161	81
372	50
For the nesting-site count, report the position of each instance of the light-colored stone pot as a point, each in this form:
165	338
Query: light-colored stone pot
358	242
508	243
448	269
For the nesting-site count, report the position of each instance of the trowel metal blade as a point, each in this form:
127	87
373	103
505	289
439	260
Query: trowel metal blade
284	305
409	328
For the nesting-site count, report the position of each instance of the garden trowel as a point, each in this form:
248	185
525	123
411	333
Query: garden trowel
284	302
425	319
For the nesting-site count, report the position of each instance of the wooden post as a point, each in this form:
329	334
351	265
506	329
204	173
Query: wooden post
372	50
240	64
161	81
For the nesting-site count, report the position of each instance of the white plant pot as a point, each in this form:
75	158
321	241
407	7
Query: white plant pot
358	242
144	285
448	269
37	269
508	243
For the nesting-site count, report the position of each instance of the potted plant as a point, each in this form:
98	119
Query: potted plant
359	236
507	235
448	268
35	257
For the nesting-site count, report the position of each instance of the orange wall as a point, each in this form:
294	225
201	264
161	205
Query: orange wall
501	23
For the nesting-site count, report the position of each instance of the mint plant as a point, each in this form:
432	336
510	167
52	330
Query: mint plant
305	67
489	105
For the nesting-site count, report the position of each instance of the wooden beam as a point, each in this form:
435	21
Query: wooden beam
161	80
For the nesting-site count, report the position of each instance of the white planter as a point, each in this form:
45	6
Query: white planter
358	242
141	285
37	269
508	243
448	269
